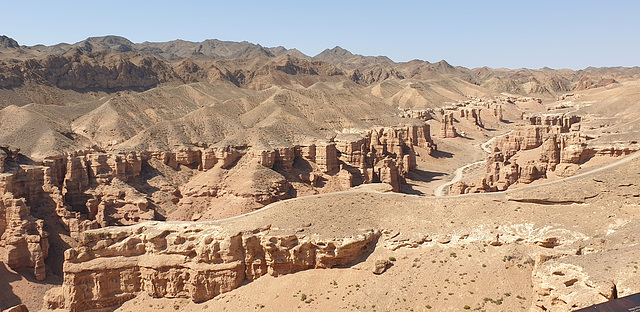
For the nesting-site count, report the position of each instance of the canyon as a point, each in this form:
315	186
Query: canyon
149	174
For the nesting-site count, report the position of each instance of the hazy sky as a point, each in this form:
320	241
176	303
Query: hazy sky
513	34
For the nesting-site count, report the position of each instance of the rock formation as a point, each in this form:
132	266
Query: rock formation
448	130
565	122
422	114
384	154
554	147
3	156
497	112
79	69
92	189
472	114
7	42
555	140
556	282
7	154
187	260
23	239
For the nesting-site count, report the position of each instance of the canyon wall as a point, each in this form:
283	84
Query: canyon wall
187	260
23	241
447	129
92	189
549	143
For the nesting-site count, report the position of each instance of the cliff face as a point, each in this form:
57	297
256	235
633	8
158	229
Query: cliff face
187	260
508	165
550	143
472	114
385	154
81	70
92	189
448	130
23	241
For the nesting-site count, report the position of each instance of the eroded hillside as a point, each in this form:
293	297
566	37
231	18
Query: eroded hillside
117	158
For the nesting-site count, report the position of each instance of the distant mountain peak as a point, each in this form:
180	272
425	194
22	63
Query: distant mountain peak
337	51
110	39
444	63
7	42
109	43
340	50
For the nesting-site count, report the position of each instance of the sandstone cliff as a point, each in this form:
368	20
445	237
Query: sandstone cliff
187	260
550	143
93	189
448	130
23	241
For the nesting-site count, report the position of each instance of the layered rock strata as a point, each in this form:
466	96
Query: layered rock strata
447	129
93	189
551	143
505	166
385	154
472	114
23	241
187	260
564	121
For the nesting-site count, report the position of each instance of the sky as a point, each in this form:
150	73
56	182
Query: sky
511	34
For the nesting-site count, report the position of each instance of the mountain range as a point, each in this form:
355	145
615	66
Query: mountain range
253	66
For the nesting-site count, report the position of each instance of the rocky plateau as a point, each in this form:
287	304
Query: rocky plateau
220	176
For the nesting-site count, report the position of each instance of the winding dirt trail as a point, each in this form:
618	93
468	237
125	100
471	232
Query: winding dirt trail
457	176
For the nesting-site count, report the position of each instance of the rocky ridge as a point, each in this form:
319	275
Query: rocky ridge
554	258
92	189
161	61
553	143
187	260
182	131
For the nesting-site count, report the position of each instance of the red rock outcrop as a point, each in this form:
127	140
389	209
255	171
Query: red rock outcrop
472	114
546	146
385	154
326	156
423	114
189	260
497	112
448	130
92	189
565	122
24	242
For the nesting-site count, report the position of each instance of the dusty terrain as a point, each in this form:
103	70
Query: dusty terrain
229	176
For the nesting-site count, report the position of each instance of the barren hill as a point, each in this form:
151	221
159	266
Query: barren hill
230	176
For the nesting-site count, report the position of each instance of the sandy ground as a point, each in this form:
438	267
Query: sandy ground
23	283
443	260
455	266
